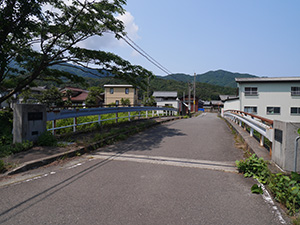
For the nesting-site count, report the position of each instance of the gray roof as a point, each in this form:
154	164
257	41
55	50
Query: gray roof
267	79
227	97
165	94
117	85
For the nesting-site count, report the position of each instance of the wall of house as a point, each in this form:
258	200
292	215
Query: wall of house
172	103
272	94
119	93
232	104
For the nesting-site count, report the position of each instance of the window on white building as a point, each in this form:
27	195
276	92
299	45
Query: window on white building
295	91
273	110
251	91
111	90
295	111
250	109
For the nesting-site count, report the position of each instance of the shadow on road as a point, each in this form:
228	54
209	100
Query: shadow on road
145	141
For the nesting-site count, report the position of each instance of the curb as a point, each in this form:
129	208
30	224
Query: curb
72	153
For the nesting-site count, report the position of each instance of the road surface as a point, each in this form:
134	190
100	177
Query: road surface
181	172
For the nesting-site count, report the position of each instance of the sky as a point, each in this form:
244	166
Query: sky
259	37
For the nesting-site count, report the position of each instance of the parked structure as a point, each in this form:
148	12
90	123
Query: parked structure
115	92
272	98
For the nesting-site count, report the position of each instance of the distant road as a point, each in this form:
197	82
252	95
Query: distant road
181	172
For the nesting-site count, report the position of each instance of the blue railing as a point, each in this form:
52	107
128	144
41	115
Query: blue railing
75	113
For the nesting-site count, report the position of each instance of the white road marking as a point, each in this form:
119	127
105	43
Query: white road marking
180	162
268	199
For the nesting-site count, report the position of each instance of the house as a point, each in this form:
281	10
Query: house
166	98
115	92
276	98
77	95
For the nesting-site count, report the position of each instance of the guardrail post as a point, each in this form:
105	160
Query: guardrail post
53	126
146	114
74	124
261	140
240	123
99	120
152	113
128	116
251	132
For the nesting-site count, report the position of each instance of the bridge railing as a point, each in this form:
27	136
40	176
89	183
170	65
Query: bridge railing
261	125
59	114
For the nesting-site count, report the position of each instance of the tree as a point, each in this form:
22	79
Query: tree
33	38
93	97
51	97
125	101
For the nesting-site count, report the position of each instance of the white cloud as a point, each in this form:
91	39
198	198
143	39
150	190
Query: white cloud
109	41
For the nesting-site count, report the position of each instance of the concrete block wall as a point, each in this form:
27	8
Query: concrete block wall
29	122
283	153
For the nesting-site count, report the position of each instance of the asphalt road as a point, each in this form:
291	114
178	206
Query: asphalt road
177	173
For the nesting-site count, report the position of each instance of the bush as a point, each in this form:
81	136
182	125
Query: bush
6	150
286	189
47	139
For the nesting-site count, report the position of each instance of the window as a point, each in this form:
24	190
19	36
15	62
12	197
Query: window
250	109
295	91
251	91
273	110
111	90
295	111
117	102
126	90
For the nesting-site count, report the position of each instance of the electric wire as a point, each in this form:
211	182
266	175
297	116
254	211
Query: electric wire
161	66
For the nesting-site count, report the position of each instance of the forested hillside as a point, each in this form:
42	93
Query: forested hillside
219	77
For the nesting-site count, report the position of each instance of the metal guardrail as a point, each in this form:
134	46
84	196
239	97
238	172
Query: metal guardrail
75	113
261	125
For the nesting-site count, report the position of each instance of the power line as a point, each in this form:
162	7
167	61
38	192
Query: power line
137	48
160	66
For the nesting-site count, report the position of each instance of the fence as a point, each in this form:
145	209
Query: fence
75	113
261	125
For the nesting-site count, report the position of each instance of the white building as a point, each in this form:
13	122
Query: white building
166	98
272	98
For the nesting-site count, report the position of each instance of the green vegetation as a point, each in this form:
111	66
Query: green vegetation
219	77
47	139
285	188
58	33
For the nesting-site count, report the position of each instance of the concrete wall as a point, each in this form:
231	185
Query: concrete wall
283	147
271	95
29	122
232	104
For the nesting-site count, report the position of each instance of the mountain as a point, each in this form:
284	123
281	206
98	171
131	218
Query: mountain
81	71
219	77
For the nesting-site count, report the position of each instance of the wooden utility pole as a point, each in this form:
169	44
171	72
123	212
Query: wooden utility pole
194	92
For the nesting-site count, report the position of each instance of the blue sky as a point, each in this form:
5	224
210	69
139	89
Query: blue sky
260	37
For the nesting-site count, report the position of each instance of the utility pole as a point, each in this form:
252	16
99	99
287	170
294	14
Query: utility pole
189	99
194	92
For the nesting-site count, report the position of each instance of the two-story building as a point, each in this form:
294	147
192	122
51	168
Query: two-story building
273	98
115	92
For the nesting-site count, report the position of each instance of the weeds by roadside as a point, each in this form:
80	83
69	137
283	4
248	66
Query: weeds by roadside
284	187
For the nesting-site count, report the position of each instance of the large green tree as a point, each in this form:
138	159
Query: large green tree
37	34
